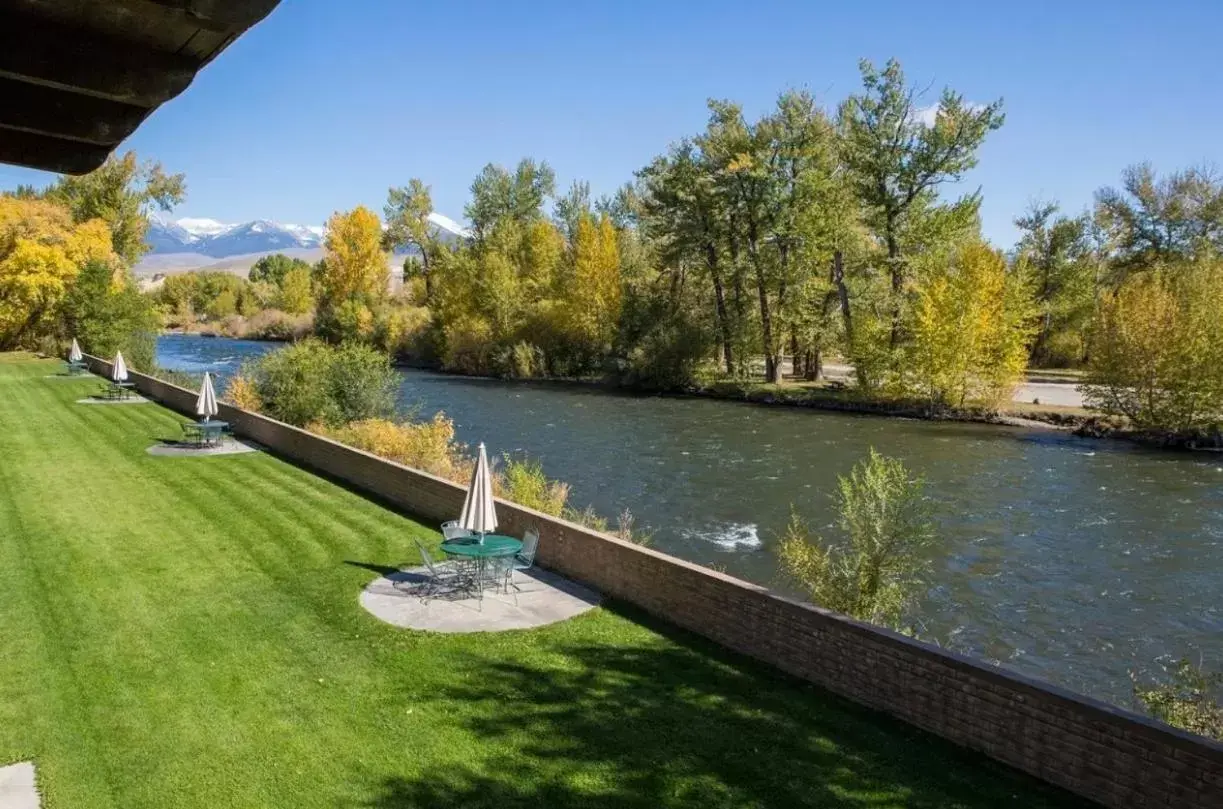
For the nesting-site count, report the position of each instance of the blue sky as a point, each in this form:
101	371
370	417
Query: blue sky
325	104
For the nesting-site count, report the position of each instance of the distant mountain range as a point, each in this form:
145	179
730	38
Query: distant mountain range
190	244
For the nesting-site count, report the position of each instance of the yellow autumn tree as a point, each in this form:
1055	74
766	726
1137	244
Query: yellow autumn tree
543	247
972	323
41	252
594	295
1157	349
296	293
354	274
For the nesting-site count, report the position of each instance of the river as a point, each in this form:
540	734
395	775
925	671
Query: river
1071	560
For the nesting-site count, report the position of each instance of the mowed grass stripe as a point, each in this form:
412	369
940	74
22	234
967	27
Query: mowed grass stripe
40	672
186	633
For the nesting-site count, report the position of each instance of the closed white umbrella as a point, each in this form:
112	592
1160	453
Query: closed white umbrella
74	353
206	404
479	515
118	368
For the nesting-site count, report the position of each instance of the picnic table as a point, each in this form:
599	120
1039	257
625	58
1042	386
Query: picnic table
206	433
76	367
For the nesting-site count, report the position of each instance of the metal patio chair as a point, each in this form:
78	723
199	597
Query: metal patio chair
443	577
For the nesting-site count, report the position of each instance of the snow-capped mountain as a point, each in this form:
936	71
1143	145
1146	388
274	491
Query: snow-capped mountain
208	237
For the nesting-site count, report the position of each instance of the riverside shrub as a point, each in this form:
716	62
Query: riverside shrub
1189	700
312	381
425	445
873	571
431	447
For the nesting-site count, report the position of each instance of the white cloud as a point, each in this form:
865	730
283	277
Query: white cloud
927	115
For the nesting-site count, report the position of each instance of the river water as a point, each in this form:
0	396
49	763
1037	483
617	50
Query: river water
1070	560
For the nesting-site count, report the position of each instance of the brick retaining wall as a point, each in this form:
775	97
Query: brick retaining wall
1104	753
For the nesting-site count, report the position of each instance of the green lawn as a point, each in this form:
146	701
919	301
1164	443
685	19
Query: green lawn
186	633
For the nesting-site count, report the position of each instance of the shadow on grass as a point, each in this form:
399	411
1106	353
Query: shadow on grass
677	722
381	570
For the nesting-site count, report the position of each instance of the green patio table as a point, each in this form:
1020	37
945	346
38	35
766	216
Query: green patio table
206	433
480	553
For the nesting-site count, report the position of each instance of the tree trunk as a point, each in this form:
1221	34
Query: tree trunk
815	355
424	272
838	280
736	275
772	350
896	268
772	368
711	260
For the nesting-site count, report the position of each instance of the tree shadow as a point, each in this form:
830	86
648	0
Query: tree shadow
675	721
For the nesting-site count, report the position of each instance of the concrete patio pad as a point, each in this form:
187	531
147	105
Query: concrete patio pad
544	598
17	789
176	450
98	400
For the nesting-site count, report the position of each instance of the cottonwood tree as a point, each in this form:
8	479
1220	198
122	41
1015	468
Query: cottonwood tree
683	213
972	323
296	291
571	207
899	160
108	314
593	297
1152	220
407	212
768	174
41	253
498	195
273	269
353	274
1055	252
1157	349
121	192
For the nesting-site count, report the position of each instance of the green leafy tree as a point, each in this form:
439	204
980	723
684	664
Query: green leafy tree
106	316
898	160
178	292
685	216
571	207
296	291
223	305
273	269
407	226
1054	251
497	195
121	192
1153	220
875	571
769	174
